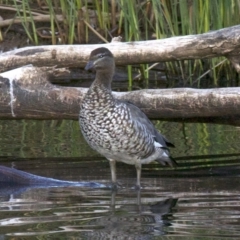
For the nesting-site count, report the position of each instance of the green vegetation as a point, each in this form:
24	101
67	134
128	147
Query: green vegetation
80	21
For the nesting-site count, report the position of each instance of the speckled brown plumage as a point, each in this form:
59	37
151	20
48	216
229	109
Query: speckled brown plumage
116	129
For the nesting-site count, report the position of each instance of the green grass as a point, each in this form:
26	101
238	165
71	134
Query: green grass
136	20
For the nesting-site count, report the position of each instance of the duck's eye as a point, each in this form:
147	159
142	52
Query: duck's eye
101	56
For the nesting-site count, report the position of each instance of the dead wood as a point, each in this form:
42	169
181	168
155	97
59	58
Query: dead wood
224	42
27	93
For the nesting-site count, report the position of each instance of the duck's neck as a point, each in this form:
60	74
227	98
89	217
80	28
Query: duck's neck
103	79
100	91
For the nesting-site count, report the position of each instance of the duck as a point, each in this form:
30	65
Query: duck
118	129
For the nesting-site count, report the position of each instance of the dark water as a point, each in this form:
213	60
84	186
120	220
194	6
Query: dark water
198	200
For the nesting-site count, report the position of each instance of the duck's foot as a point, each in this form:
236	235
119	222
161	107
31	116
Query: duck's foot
115	186
138	187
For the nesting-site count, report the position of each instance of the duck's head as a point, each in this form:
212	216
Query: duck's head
101	59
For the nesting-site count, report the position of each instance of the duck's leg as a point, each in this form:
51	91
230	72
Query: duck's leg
113	197
138	166
113	173
139	201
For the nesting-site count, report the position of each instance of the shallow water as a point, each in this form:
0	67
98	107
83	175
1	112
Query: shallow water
198	200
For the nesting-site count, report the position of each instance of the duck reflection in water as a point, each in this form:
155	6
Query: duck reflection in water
133	221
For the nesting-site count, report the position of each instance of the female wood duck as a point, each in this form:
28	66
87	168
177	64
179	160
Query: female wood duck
118	130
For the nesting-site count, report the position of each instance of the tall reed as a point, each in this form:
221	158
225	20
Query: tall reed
137	20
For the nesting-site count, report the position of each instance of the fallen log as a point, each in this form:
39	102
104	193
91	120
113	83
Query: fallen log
26	93
12	176
223	42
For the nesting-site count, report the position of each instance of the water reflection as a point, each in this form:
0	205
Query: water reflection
92	213
198	200
134	221
179	205
56	138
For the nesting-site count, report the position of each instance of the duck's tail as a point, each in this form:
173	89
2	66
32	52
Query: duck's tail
167	161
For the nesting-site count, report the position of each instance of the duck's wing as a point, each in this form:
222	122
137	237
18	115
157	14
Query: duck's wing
158	137
143	119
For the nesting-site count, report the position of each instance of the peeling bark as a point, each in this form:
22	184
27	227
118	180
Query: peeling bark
27	93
